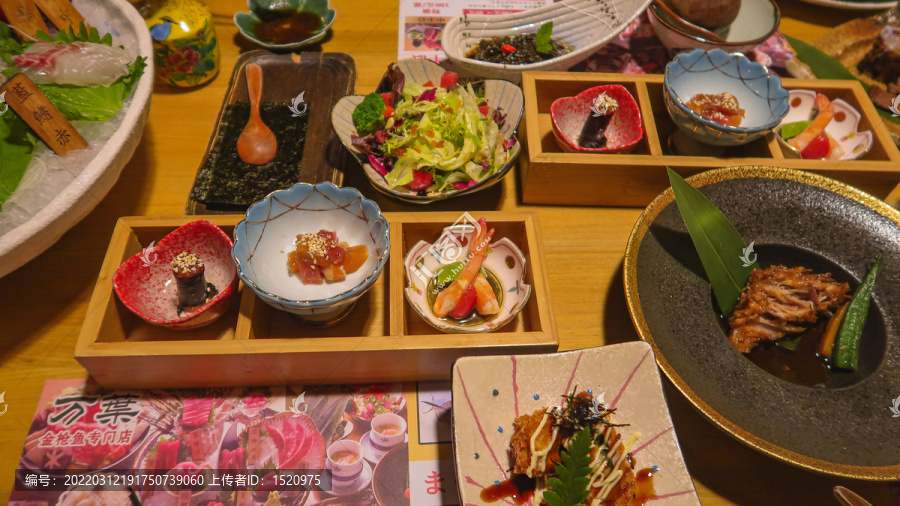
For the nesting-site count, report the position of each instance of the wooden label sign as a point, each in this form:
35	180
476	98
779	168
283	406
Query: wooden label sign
24	97
61	13
24	15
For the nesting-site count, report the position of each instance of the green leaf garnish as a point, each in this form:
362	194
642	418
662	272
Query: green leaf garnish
791	130
570	486
720	247
827	67
542	38
789	343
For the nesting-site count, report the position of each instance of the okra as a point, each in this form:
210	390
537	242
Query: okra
846	346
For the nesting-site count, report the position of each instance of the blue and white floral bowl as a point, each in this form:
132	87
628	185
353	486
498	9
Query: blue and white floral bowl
758	92
264	238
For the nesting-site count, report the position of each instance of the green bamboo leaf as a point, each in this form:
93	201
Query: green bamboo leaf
825	66
720	247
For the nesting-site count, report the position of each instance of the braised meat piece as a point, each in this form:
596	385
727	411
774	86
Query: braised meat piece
778	301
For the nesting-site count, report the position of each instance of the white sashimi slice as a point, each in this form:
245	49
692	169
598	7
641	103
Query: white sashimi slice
79	63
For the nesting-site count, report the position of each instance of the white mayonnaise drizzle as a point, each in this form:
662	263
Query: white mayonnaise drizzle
540	457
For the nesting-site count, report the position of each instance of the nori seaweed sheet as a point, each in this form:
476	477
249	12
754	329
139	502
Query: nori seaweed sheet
225	179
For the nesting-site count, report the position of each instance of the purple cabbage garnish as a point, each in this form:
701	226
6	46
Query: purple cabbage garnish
463	186
377	164
509	144
499	117
364	144
427	95
398	81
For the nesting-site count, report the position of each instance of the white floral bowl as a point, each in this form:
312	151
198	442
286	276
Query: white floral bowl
842	128
263	239
504	261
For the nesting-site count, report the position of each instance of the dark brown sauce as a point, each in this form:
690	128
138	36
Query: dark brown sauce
288	26
519	489
803	366
643	487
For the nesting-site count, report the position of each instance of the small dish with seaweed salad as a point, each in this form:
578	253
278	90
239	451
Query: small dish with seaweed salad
520	49
583	25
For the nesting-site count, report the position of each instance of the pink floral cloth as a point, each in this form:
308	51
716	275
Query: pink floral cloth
637	50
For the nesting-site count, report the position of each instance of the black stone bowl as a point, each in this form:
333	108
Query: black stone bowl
845	427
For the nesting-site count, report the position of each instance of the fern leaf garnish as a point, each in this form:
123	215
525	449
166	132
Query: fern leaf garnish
570	486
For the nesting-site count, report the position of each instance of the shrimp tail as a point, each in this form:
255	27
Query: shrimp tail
823	117
448	298
485	301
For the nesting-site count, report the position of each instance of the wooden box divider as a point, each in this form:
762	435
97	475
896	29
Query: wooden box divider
255	344
551	176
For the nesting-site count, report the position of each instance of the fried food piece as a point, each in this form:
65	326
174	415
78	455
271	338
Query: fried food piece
778	301
520	444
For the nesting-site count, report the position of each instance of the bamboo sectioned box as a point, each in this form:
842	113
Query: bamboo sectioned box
383	339
551	176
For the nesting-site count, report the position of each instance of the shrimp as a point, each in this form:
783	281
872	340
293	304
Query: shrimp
449	297
826	112
485	300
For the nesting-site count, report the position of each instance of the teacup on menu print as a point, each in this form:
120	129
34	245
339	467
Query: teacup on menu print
344	458
388	430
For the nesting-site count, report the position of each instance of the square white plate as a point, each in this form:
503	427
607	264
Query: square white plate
490	392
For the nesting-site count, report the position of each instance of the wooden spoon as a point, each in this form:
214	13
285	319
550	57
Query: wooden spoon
257	144
686	25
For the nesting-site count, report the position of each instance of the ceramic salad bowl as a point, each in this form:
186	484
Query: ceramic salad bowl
842	128
758	93
499	94
583	24
570	113
504	264
246	21
145	284
263	239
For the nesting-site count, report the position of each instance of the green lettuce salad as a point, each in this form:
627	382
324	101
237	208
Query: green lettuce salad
431	138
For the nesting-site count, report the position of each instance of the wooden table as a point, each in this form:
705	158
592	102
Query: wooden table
43	304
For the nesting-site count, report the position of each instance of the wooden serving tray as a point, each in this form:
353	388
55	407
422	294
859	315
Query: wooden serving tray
551	176
253	344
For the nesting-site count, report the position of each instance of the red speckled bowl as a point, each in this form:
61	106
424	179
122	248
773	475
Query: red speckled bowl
145	284
570	113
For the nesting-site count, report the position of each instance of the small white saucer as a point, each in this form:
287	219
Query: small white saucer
363	481
369	450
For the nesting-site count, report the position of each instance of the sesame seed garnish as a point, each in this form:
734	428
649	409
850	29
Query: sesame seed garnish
315	244
186	262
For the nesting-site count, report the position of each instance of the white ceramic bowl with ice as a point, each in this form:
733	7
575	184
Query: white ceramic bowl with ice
54	196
